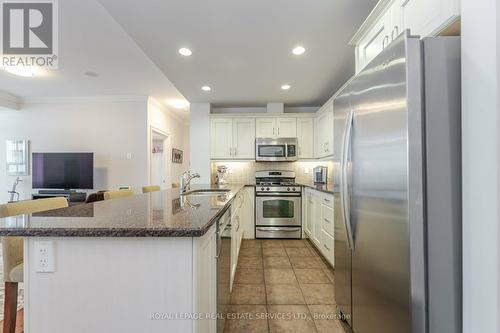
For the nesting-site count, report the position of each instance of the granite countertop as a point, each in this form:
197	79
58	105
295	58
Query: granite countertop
156	214
326	188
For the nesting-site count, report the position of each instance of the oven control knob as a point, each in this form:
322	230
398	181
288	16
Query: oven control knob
267	189
288	189
293	189
262	189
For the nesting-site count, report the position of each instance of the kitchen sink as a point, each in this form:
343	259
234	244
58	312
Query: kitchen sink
213	191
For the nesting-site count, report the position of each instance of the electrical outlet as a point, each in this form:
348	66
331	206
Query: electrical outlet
44	256
306	170
129	156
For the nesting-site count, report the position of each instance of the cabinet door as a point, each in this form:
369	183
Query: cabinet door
327	247
248	224
327	219
374	41
286	127
244	138
308	214
396	20
305	136
316	220
265	127
221	138
427	17
206	281
325	131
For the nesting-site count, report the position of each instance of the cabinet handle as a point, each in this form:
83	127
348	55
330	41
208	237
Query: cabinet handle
326	220
326	247
326	200
386	39
230	151
300	152
396	29
273	130
278	131
235	152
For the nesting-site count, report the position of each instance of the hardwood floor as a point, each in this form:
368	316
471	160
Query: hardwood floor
282	286
19	321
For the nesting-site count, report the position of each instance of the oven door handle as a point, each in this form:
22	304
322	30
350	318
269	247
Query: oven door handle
288	229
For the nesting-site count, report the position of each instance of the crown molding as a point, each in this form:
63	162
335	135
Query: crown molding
374	16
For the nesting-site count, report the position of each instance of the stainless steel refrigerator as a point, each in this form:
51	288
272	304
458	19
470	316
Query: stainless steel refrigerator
397	176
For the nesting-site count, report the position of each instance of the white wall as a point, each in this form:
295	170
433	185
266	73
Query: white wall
481	161
199	137
109	129
161	118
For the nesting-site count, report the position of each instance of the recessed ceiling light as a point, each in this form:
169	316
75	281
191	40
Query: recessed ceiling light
179	103
185	52
24	71
298	50
285	87
206	88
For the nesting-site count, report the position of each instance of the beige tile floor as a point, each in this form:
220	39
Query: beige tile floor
282	286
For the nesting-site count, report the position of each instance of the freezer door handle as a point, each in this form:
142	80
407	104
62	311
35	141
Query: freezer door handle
345	193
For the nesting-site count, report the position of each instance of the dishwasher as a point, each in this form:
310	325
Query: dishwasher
223	268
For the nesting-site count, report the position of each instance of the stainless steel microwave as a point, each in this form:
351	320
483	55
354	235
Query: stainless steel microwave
273	150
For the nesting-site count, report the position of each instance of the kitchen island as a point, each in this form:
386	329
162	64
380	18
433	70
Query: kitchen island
144	263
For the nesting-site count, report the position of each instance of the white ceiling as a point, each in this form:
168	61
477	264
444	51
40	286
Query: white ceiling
91	40
241	48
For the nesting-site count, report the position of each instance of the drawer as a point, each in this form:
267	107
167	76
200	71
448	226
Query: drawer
327	199
327	219
327	247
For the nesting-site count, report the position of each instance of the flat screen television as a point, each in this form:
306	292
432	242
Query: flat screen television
63	171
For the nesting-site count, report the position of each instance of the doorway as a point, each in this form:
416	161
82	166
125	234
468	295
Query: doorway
159	152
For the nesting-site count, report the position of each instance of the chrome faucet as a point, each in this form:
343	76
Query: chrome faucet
186	179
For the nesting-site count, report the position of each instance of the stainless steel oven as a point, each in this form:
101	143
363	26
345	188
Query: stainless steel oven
281	149
274	209
278	205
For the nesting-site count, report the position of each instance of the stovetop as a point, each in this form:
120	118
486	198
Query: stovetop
276	181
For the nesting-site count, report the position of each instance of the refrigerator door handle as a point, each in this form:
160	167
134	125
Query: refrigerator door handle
345	193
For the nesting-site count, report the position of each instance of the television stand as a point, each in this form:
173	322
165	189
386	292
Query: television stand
72	196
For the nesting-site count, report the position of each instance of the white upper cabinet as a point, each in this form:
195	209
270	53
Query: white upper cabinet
276	127
286	127
265	127
324	120
373	42
244	138
428	17
221	138
232	138
391	18
305	137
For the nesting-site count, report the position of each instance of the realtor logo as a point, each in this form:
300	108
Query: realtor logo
29	33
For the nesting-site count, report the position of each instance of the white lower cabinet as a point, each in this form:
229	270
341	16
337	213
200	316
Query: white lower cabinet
205	267
318	224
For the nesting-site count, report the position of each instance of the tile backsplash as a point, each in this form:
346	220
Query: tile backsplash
244	172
